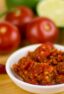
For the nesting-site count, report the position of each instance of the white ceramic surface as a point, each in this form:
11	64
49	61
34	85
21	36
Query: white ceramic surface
26	86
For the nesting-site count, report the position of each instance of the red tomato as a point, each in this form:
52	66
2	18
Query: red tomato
41	30
9	37
20	17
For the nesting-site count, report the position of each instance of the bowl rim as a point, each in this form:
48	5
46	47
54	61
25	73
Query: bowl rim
8	69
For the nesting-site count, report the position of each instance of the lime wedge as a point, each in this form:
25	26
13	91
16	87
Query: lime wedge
53	9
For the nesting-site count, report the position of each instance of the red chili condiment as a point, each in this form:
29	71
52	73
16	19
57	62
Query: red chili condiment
44	66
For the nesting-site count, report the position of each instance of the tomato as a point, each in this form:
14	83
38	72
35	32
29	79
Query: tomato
9	37
20	17
41	30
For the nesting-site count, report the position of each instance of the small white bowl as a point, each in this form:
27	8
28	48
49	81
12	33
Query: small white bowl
26	86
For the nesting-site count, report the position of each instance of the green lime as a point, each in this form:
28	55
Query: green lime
53	9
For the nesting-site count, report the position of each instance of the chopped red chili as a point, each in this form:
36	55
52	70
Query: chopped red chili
44	66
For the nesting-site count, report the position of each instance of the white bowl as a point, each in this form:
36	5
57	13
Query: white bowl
26	86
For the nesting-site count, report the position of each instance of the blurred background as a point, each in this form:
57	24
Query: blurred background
54	11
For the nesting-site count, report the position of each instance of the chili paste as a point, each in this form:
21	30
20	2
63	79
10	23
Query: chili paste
44	66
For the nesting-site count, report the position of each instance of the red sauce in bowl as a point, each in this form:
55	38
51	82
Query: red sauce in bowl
44	66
